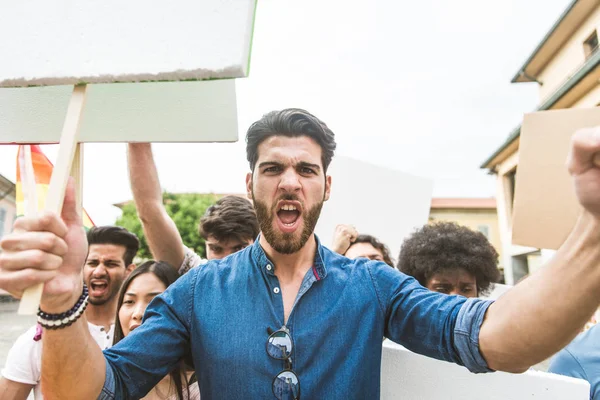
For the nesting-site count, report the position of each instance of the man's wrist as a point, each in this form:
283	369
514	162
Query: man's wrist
61	303
67	318
588	227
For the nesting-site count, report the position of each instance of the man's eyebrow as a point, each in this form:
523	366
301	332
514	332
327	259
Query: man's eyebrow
269	163
303	164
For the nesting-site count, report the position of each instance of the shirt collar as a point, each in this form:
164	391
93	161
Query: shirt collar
261	259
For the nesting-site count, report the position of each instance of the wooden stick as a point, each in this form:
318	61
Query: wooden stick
58	182
77	174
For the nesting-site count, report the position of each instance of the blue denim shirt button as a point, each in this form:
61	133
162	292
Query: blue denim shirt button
269	267
276	290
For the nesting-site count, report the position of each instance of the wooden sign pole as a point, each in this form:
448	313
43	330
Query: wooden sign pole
70	157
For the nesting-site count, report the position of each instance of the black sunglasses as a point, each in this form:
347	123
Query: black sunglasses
286	385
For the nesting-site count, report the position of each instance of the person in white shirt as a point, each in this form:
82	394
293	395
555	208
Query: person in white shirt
109	262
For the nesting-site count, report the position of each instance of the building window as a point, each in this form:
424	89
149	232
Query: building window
485	229
512	182
2	221
590	45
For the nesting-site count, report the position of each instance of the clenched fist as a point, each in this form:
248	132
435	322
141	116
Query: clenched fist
46	249
343	237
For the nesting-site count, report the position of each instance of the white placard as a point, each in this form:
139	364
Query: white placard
125	112
379	201
406	375
69	42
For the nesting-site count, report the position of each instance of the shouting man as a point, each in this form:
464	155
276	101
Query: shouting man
286	317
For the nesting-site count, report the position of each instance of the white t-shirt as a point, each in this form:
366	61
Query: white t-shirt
24	360
190	260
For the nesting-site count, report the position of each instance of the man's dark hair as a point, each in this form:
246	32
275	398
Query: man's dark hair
231	217
115	235
290	122
373	241
445	246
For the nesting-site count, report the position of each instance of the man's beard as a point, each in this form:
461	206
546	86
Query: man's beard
285	243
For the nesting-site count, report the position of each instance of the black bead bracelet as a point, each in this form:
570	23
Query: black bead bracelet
62	320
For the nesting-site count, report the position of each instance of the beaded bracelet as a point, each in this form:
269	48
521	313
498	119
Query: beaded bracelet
62	320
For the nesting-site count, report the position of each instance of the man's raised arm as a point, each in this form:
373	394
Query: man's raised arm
49	249
544	313
163	237
52	249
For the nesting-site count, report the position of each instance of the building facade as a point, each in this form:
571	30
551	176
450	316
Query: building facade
566	67
8	213
8	206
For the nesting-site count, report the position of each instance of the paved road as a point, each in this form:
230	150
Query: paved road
11	326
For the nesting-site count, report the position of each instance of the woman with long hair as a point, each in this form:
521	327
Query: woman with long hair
143	284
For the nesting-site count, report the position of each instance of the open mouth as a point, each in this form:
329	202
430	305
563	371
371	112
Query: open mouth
288	214
98	288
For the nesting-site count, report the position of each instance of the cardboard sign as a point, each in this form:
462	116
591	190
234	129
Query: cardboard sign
545	204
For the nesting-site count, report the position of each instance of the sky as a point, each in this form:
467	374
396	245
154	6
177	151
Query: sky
422	87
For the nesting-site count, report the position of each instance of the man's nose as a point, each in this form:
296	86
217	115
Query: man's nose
290	181
100	270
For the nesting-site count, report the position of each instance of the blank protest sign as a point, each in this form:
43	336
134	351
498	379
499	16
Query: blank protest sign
379	201
69	42
406	375
545	205
126	112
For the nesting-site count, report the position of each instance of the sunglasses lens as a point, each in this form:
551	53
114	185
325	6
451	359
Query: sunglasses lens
279	345
286	386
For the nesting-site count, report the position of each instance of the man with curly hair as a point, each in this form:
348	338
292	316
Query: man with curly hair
449	258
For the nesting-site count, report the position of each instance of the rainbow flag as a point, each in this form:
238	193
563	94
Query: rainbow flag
42	170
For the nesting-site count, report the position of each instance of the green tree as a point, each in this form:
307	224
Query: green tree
185	209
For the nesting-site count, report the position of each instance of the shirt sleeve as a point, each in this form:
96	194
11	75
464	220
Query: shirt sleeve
138	362
190	260
24	360
445	327
565	363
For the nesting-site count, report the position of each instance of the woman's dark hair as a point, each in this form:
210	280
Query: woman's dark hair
445	246
167	275
373	241
290	122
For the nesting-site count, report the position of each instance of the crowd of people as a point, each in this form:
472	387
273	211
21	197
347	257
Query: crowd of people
179	324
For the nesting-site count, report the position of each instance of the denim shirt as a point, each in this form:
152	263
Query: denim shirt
222	312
